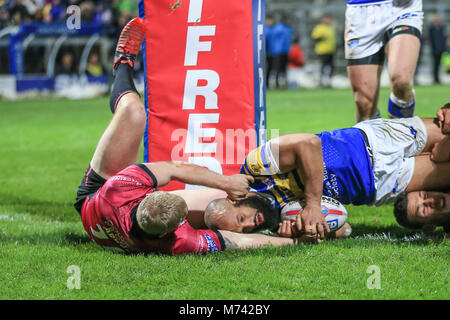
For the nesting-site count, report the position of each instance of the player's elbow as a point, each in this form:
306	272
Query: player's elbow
309	142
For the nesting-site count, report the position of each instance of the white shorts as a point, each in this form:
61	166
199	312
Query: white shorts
366	25
394	143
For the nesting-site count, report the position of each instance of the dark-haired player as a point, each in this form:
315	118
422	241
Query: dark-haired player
372	163
118	200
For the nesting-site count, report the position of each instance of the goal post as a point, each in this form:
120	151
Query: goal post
204	81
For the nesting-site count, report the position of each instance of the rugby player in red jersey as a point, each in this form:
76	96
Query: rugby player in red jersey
118	200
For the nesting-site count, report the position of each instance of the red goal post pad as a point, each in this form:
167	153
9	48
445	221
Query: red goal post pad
204	82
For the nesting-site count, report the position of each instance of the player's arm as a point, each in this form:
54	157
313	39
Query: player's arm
303	152
443	115
288	229
197	201
235	240
235	185
441	150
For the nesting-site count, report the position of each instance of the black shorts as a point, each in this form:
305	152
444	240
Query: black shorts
89	186
379	57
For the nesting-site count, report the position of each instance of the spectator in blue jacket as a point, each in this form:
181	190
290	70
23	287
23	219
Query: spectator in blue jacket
269	54
280	41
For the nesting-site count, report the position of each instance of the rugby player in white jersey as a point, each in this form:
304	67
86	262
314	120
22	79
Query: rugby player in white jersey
375	31
373	163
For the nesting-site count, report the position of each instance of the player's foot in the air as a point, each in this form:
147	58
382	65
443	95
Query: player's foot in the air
130	42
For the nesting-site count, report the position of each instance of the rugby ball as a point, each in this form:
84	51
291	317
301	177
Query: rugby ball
334	212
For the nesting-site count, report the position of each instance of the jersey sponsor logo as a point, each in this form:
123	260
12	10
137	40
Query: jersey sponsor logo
413	132
200	245
99	234
269	183
352	43
398	29
406	16
394	191
212	247
127	179
109	232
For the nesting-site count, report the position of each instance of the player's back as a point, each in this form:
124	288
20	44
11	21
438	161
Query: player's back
348	175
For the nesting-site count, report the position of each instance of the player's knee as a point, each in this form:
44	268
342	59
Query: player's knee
365	105
133	111
401	86
362	98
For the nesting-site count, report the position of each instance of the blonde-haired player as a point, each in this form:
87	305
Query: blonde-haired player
118	200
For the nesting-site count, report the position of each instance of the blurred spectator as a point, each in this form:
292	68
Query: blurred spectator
53	11
296	57
67	64
122	20
19	13
446	58
87	11
4	18
57	10
438	45
270	21
280	43
325	37
94	66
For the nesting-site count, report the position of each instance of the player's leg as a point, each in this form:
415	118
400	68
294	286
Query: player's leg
365	82
402	54
120	143
364	52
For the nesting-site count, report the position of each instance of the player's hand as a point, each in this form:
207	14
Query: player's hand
286	229
312	222
441	151
237	186
443	115
303	238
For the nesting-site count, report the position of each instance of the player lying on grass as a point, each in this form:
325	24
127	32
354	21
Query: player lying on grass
372	163
427	209
118	200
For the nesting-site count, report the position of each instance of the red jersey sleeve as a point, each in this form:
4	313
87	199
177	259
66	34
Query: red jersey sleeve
190	240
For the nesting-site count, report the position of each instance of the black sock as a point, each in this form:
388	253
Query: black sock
123	83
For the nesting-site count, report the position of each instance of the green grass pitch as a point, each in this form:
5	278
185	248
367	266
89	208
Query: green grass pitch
45	146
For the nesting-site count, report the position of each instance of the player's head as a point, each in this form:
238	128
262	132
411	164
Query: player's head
251	214
423	210
160	213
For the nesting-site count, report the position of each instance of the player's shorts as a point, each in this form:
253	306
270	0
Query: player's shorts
394	143
89	186
368	27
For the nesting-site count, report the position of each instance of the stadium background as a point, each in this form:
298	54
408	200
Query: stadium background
43	56
46	141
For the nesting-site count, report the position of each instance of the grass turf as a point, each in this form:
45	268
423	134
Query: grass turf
45	146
